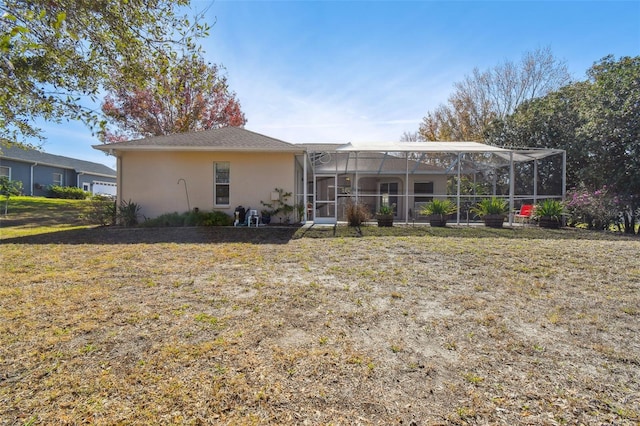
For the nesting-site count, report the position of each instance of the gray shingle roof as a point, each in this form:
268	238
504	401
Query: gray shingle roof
223	139
35	156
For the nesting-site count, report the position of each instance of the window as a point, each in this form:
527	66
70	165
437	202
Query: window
57	179
421	190
221	183
5	171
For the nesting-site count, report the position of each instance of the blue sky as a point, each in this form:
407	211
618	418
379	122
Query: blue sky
342	71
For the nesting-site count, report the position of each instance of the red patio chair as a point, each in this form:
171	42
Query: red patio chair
525	214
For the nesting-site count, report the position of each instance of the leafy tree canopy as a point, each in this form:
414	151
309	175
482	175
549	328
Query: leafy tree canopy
492	94
597	122
53	52
179	94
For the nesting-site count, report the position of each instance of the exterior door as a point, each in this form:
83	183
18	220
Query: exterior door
389	195
325	205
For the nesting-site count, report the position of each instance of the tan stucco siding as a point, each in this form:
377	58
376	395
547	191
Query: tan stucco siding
150	179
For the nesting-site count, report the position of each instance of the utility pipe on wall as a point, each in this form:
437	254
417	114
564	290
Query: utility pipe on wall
31	183
186	192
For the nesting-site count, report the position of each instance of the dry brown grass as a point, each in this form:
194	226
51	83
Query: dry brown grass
195	326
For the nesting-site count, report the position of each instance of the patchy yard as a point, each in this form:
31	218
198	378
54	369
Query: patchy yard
190	326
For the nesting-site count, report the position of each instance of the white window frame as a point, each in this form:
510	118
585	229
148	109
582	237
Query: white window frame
57	182
7	173
220	181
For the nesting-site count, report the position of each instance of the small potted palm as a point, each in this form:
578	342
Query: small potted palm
549	214
438	211
385	215
492	211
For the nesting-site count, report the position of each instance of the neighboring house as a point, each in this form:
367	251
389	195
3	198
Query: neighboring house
222	169
38	170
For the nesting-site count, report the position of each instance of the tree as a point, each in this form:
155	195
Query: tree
551	121
53	53
182	94
9	188
485	96
597	122
411	137
612	125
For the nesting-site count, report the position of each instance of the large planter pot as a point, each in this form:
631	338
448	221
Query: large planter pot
437	220
548	222
493	220
385	220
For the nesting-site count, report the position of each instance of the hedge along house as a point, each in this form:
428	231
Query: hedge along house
225	168
38	170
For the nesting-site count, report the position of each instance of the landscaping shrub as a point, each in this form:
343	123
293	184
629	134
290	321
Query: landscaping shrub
193	218
128	213
102	210
595	210
165	220
218	219
67	192
357	214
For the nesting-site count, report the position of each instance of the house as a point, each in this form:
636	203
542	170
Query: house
38	170
217	169
222	169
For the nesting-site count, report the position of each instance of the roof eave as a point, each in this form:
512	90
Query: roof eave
112	148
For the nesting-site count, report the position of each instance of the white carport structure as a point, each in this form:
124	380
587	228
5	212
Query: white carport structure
407	174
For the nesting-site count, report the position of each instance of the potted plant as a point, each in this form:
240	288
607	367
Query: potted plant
266	216
549	213
385	215
437	211
492	211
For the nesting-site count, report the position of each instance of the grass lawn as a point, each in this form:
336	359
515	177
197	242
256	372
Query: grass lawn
408	325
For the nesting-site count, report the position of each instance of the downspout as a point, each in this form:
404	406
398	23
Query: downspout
31	178
78	179
118	181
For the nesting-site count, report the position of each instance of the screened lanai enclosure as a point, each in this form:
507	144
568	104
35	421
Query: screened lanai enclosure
407	175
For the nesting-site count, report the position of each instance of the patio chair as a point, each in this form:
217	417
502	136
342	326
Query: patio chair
525	214
253	218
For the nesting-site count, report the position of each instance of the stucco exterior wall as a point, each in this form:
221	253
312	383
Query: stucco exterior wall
150	179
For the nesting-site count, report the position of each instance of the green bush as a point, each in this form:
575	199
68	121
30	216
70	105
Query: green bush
439	207
67	192
128	213
165	220
102	211
491	206
214	218
193	218
550	208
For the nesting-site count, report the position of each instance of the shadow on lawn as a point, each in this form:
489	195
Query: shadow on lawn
453	231
179	235
282	235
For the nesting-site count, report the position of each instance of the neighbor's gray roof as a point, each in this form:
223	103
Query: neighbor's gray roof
27	155
223	139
